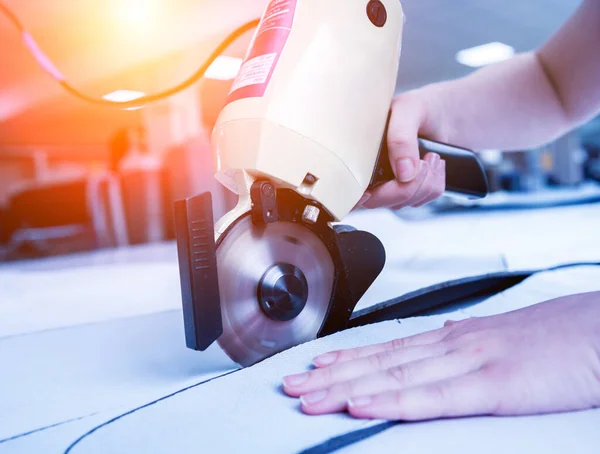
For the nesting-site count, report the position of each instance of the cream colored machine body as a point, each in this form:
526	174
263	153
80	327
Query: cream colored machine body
324	109
300	140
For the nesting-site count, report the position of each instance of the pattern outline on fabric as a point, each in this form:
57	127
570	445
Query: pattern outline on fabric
350	438
149	404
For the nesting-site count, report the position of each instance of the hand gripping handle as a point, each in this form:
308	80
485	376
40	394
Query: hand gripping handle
465	175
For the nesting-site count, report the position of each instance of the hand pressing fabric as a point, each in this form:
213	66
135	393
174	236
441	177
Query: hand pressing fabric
541	359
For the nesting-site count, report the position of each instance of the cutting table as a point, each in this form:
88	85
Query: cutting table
94	359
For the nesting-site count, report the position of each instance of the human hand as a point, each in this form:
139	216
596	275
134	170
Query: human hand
541	359
417	181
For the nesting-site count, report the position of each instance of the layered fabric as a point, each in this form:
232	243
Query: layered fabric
92	349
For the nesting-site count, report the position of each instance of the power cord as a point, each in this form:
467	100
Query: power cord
49	67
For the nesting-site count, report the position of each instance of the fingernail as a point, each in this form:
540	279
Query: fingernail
405	170
325	360
364	198
295	380
441	166
435	160
313	398
360	401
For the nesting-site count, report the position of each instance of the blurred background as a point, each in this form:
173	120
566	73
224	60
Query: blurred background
77	177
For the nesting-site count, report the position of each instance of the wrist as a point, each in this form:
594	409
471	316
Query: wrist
433	121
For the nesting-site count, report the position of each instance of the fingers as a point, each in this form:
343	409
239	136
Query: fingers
340	356
402	139
302	384
417	181
398	378
437	183
428	185
433	186
469	395
394	192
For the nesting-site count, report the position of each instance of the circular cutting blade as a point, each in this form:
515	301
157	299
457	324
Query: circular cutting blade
244	257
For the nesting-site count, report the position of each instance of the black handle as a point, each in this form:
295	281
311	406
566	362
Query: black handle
465	175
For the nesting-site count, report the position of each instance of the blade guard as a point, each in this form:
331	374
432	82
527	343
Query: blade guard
198	273
361	260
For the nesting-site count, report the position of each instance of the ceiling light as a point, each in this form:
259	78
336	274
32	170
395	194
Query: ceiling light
136	12
485	54
124	96
224	68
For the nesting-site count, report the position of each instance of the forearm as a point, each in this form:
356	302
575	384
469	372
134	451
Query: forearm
510	105
527	101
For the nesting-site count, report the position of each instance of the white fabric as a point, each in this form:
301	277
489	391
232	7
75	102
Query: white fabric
106	285
58	375
56	439
87	288
92	358
551	434
428	250
525	239
33	301
538	288
247	412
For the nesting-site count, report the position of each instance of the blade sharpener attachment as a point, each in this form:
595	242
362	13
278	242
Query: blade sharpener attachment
197	253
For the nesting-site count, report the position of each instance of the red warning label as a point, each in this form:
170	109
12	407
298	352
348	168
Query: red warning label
264	52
